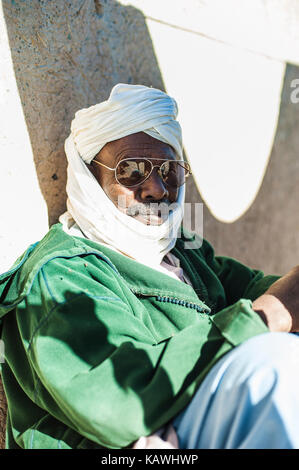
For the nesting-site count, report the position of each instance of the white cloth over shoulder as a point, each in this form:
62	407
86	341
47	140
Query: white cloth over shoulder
129	109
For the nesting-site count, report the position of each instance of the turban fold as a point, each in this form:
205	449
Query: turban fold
129	109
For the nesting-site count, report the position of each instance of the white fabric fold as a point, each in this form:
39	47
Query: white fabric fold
129	109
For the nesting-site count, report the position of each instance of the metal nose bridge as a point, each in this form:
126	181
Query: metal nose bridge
159	170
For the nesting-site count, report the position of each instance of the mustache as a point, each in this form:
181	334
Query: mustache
160	209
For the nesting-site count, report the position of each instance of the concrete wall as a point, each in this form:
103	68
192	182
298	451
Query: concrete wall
57	57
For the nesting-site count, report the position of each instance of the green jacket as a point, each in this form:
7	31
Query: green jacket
100	349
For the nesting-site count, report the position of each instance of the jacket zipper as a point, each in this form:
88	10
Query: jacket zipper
184	303
176	301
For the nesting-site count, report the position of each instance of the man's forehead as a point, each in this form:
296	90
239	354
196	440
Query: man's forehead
137	142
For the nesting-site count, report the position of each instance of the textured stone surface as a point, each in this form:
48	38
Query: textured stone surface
66	56
19	183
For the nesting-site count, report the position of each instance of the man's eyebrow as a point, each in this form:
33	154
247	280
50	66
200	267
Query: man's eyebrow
130	150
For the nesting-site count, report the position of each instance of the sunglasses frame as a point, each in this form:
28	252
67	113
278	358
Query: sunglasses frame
153	166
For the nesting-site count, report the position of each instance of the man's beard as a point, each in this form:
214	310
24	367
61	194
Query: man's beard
149	213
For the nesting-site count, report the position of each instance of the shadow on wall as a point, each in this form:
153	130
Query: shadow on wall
266	236
67	56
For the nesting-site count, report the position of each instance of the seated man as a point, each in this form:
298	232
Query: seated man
119	324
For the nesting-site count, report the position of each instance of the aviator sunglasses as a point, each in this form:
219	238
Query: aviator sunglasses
132	171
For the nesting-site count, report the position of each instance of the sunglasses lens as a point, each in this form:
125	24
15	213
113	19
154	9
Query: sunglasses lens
173	173
132	172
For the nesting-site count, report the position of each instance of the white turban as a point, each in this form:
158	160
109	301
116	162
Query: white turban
129	109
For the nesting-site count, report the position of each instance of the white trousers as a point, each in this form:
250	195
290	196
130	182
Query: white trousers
248	400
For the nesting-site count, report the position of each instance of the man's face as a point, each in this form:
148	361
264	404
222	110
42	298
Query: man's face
135	201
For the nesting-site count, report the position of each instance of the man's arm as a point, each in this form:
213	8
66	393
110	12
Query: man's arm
238	280
279	305
275	299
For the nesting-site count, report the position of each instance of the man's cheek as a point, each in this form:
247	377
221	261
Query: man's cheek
173	194
111	190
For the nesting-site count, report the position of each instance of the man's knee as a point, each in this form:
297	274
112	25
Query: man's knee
254	381
269	355
270	348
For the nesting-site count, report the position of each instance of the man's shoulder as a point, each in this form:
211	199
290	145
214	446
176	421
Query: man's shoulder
54	249
55	243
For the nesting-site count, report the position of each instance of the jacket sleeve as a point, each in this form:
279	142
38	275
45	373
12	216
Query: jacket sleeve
238	280
100	370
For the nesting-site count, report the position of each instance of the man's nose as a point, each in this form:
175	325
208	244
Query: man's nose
154	189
